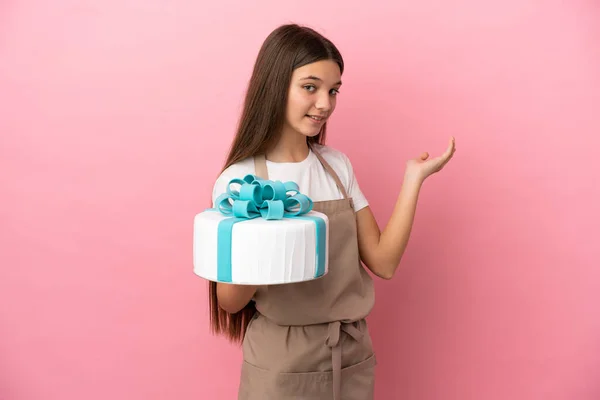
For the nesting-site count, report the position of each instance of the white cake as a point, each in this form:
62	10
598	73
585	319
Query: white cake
259	250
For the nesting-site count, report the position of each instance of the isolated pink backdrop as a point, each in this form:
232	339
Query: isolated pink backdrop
115	117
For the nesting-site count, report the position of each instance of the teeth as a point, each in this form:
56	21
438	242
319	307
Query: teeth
316	118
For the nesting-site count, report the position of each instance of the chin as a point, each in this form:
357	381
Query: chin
308	132
312	134
311	131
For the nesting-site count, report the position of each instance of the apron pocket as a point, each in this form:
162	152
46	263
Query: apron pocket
256	383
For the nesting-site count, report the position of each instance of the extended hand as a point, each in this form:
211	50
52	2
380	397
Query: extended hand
421	167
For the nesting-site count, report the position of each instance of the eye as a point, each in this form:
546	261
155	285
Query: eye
310	88
334	92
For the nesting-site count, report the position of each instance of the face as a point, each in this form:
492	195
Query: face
312	97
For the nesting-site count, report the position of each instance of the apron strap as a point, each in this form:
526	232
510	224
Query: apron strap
334	330
260	166
331	171
260	169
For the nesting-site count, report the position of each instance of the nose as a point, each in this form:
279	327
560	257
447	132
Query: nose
324	102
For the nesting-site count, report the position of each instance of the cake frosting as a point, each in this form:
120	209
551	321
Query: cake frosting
263	233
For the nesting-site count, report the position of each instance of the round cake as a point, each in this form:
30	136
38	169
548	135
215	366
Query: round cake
261	251
264	234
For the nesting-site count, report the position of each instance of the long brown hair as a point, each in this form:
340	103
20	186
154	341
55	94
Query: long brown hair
288	47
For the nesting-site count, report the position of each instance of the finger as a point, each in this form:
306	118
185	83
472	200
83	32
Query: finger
449	150
448	159
424	156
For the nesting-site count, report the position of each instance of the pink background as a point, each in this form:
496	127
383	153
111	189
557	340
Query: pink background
115	117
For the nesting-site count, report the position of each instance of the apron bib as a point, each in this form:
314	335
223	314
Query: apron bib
310	340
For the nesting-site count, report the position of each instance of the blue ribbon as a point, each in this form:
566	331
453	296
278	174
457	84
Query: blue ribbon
271	200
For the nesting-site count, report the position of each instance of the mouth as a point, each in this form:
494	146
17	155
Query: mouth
316	118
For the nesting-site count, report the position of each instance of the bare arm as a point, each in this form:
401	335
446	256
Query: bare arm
232	298
380	251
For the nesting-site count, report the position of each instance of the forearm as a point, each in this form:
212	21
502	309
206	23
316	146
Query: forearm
394	238
232	298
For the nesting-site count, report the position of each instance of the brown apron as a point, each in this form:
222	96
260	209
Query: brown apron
310	340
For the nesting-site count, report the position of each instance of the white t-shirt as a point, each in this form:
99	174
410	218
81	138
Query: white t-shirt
310	175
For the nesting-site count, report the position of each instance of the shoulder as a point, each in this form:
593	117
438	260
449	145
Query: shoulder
341	164
234	171
338	160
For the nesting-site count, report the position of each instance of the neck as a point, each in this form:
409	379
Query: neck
291	147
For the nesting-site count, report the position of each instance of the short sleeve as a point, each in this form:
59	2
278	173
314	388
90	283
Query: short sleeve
358	198
220	186
235	171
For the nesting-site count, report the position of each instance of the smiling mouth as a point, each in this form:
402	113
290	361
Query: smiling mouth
315	118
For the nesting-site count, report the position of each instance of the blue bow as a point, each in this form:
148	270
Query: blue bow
263	198
270	200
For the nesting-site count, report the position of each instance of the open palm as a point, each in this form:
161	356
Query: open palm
423	166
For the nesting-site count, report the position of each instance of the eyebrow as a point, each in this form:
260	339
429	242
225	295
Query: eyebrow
316	78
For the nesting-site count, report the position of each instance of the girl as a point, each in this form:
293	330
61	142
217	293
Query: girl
310	340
